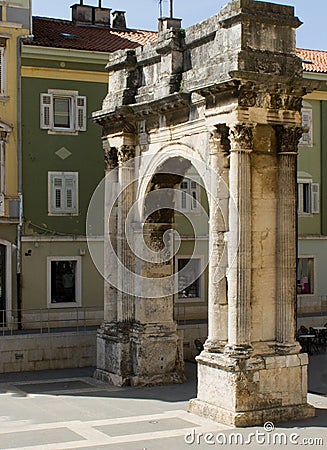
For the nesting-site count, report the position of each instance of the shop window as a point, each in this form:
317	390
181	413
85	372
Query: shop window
305	276
189	282
64	281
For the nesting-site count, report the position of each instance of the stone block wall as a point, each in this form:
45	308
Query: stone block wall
29	352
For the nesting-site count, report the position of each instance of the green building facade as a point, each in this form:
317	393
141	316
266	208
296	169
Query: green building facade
312	196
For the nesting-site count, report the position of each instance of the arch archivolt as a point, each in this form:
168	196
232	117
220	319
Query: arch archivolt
150	163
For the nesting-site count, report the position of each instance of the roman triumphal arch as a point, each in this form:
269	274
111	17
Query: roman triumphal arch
223	97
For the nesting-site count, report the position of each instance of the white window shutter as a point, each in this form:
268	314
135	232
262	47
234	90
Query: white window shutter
315	198
306	138
184	188
2	71
194	195
57	192
80	109
70	193
46	117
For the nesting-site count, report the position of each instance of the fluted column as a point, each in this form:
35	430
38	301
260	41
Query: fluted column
125	300
288	138
218	200
110	233
239	243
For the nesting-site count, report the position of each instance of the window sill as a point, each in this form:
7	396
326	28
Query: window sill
63	214
189	300
63	132
65	305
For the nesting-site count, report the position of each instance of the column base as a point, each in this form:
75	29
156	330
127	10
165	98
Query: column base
248	392
250	418
139	355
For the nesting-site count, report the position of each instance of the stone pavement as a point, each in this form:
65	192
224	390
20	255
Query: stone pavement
68	409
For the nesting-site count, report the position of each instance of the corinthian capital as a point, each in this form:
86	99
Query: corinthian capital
110	155
288	138
241	137
125	153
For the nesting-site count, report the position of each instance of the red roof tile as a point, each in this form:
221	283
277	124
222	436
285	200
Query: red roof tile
64	34
313	60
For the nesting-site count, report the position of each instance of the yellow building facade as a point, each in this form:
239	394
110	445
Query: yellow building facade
15	26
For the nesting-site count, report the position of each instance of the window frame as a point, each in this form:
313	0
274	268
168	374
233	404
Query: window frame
77	112
200	298
314	284
306	138
314	197
3	70
78	282
52	210
189	196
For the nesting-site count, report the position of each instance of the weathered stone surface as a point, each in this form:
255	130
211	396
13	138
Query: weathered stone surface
227	93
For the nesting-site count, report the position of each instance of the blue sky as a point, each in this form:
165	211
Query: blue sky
143	14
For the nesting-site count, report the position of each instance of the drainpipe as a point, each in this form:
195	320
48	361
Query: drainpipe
20	40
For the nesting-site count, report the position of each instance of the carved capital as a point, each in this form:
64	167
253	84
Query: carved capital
125	153
288	138
241	137
110	155
219	138
248	94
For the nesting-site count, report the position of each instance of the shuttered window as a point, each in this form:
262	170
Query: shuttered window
2	71
63	111
188	195
63	193
308	197
306	138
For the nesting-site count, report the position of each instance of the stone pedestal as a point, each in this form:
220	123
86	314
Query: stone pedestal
253	391
136	355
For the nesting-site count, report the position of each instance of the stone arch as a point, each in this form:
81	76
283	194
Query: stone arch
164	154
240	109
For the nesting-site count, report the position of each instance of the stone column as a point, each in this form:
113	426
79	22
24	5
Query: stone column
125	299
218	200
110	232
288	138
239	243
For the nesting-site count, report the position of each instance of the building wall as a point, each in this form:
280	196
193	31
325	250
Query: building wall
59	235
14	25
309	162
312	228
39	157
35	253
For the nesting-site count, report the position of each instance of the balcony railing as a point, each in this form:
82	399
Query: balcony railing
49	320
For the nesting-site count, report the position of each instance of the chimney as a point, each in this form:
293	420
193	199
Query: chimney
119	20
101	16
167	23
82	14
91	15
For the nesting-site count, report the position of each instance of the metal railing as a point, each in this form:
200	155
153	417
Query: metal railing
49	320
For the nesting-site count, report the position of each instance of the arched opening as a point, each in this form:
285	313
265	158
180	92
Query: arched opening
176	223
